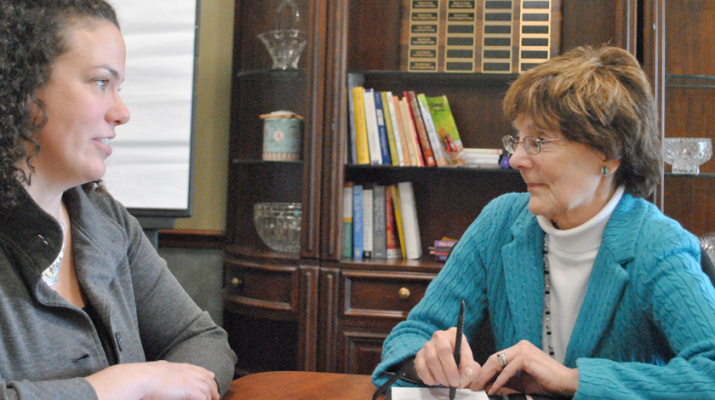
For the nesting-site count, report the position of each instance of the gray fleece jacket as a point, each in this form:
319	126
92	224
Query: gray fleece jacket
48	345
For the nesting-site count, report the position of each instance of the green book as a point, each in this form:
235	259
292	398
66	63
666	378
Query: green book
445	126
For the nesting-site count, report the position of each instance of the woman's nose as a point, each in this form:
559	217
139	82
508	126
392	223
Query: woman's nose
520	159
119	114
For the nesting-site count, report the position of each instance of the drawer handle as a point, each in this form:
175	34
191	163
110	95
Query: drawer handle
236	282
404	293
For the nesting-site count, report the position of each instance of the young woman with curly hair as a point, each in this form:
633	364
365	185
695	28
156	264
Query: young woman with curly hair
87	307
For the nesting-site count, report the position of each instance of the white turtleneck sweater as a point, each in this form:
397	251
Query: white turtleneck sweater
572	253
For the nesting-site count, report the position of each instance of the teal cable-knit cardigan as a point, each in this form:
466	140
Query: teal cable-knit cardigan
645	330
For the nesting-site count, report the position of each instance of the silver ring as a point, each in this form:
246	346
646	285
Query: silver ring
502	360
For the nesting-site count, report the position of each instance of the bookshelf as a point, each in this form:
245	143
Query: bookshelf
319	311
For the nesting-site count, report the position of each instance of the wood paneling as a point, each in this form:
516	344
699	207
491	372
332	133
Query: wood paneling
192	238
690	42
591	22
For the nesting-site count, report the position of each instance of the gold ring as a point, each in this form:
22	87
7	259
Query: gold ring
502	360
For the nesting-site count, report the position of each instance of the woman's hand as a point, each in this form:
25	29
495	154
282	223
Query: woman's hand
528	370
159	380
435	364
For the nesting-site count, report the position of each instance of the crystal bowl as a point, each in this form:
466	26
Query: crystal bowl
285	46
278	225
686	154
708	243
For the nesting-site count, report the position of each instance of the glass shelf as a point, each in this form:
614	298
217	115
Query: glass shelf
689	81
279	74
701	175
265	162
439	78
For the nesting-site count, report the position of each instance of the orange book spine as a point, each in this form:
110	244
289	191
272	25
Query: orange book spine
421	129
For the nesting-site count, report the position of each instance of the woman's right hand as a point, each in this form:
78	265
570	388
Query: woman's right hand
435	363
159	380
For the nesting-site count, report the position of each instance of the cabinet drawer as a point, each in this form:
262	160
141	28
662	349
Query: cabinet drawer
383	294
263	286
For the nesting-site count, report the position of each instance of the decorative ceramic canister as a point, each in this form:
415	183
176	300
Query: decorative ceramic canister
282	136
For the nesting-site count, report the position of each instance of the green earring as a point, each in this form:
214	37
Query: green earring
604	170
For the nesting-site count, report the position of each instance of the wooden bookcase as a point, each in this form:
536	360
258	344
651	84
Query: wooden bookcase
326	313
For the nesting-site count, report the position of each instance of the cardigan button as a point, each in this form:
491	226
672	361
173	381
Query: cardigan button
118	337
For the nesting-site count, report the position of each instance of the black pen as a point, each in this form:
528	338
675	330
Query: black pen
458	345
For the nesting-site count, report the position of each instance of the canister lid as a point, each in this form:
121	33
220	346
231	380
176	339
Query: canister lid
281	114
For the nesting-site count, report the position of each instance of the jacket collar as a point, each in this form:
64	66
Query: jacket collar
524	275
34	238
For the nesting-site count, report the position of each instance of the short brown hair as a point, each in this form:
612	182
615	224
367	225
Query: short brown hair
601	98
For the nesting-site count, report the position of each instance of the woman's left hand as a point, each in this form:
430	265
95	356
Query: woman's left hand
528	370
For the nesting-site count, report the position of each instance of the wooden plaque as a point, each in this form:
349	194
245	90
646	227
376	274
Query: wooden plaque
490	36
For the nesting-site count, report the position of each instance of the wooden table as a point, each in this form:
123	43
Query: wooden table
301	385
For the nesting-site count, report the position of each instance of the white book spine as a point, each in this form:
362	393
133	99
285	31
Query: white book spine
373	134
491	157
434	139
473	150
410	226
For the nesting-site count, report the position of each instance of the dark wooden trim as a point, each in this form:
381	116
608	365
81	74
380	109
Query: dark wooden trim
192	238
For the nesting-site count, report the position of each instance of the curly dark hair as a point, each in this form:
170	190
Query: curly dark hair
601	98
32	36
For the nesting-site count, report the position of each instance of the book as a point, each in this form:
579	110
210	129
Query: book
373	135
421	129
438	149
354	80
393	138
442	249
379	235
467	157
487	165
398	218
472	150
357	221
361	147
410	225
348	220
401	132
446	127
367	221
382	129
392	242
411	132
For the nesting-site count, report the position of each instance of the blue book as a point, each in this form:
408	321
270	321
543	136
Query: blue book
382	129
357	221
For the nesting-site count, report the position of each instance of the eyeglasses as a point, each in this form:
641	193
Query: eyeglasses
532	145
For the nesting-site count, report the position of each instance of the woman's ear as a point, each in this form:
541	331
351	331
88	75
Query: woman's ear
612	166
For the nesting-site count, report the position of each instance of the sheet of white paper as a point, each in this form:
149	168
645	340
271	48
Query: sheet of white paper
149	166
399	393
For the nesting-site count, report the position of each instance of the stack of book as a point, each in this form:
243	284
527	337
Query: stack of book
480	158
442	248
380	221
414	130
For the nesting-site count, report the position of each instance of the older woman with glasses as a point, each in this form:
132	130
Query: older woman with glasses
591	291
